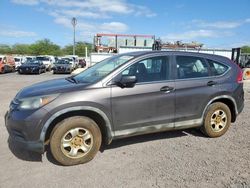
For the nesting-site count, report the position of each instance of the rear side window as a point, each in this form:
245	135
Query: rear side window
217	68
191	67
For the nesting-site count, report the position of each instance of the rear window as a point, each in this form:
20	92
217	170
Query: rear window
217	68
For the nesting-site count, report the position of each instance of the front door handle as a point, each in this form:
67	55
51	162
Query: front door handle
167	89
211	83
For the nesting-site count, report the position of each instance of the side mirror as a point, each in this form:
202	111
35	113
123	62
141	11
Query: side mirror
127	82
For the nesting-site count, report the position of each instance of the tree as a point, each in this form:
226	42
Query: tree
245	49
80	49
21	49
5	49
45	47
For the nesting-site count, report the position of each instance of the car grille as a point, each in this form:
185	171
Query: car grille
60	68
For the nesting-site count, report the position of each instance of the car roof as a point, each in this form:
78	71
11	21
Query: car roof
185	53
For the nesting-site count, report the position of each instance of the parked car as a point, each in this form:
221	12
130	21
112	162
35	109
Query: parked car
82	63
62	66
71	61
19	60
32	67
126	95
28	58
47	61
75	59
7	64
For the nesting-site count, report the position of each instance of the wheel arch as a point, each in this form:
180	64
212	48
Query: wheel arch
97	115
227	100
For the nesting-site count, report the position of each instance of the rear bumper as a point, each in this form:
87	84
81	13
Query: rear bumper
240	109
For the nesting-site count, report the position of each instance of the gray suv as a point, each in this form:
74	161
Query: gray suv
126	95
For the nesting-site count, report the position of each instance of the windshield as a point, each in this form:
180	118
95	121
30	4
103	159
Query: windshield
101	69
67	59
42	58
0	59
32	62
17	59
62	62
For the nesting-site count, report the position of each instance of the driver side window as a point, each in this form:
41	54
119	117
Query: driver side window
149	70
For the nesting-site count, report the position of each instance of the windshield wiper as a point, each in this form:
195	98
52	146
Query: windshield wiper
71	79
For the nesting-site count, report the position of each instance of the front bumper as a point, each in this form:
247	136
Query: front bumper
28	70
25	128
62	70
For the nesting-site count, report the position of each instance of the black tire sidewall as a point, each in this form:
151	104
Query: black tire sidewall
207	129
67	124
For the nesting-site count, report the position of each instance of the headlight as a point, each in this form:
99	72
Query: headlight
36	102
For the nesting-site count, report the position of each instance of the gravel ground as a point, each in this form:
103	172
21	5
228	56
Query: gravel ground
169	159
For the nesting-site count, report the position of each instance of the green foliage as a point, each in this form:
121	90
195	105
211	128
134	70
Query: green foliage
80	49
45	47
20	49
5	49
245	49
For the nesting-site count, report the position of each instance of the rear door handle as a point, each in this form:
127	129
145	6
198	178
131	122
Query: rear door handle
211	83
167	89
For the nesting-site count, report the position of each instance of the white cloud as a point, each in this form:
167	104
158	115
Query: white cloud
88	12
94	6
79	13
90	29
114	26
16	33
26	2
194	34
142	10
220	24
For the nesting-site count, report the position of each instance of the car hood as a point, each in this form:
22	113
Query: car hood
50	87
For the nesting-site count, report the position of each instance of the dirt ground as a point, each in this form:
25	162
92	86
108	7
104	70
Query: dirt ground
169	159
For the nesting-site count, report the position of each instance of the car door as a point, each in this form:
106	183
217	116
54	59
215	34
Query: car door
194	86
150	104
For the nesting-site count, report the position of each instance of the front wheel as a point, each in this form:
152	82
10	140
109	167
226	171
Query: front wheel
75	140
217	120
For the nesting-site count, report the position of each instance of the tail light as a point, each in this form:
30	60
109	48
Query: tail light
239	75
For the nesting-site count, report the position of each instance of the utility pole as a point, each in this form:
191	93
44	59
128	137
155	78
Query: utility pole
74	22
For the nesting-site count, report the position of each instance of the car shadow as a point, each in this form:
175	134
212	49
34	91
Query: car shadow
22	153
150	137
35	157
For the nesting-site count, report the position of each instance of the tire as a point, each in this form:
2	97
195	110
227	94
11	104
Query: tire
3	70
70	132
214	126
48	69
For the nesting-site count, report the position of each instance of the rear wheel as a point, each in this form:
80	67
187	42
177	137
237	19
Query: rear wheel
75	140
217	120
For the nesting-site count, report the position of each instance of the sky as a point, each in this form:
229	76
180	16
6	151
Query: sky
215	23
